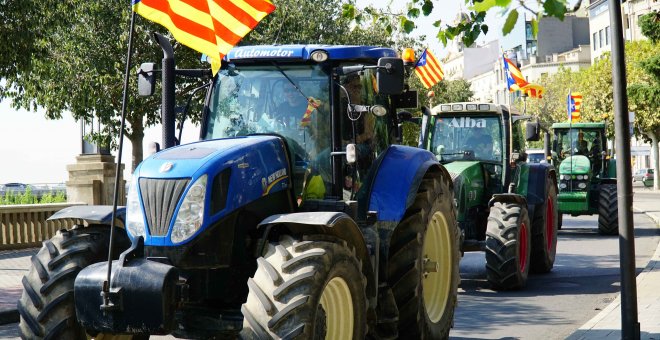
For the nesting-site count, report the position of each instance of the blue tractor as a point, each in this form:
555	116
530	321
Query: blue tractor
295	216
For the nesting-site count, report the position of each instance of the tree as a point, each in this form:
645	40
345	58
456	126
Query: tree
644	94
77	56
471	25
77	64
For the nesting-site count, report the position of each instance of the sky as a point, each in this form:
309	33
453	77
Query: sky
35	150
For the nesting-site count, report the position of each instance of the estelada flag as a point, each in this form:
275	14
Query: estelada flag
428	69
514	78
211	27
574	102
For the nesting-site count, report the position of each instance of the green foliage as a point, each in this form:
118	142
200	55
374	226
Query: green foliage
27	197
650	26
470	26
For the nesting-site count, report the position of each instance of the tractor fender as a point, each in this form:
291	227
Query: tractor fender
337	224
536	189
608	181
92	214
397	179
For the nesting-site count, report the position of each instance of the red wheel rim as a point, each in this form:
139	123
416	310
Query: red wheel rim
549	224
522	250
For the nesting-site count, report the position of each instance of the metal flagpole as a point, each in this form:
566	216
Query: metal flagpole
115	198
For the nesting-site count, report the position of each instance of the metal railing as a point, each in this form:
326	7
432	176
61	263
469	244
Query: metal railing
25	226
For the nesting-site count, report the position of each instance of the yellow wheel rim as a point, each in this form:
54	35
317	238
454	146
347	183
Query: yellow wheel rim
337	303
437	267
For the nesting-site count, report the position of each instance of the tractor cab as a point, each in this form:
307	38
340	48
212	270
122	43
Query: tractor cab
320	108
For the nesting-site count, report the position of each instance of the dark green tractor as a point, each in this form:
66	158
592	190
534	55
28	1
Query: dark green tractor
587	174
506	206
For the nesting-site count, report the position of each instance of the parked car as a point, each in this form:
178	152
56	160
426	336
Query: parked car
535	156
644	174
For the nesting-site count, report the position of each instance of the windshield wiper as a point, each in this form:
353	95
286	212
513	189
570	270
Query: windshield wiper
289	79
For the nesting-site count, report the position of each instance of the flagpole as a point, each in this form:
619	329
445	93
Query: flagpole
106	285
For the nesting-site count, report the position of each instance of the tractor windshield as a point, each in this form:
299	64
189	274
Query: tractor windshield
586	142
292	101
467	138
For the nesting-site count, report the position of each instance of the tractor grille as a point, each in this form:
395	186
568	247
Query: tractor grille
160	197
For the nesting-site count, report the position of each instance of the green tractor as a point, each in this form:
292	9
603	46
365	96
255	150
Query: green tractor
506	206
587	175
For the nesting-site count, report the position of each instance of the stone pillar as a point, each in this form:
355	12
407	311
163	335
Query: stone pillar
92	180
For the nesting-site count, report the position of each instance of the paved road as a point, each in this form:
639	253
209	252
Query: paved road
585	280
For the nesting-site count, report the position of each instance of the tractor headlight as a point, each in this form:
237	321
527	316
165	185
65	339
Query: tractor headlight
586	177
190	216
134	215
579	177
582	185
562	186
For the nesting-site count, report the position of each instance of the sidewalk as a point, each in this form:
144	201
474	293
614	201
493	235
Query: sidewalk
13	265
605	325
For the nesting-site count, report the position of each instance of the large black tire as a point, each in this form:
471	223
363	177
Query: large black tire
544	231
47	307
306	290
423	262
608	210
508	241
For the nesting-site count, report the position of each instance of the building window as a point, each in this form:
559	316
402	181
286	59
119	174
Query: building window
600	39
607	35
595	41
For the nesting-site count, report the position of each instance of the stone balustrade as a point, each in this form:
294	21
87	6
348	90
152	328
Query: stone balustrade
26	226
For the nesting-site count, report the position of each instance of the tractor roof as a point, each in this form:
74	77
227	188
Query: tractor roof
304	52
599	125
471	108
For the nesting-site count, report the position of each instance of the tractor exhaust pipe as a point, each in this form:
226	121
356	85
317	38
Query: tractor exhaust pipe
167	107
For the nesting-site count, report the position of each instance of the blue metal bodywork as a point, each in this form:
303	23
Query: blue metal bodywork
397	180
303	52
258	167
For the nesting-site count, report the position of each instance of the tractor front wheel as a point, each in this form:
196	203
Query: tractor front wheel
544	231
508	241
423	262
608	210
310	289
46	308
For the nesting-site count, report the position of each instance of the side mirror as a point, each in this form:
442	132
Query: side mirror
146	79
390	76
532	130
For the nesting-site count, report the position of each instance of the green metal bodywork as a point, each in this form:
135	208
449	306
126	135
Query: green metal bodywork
576	165
572	199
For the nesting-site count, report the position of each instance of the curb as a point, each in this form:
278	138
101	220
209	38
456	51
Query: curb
9	316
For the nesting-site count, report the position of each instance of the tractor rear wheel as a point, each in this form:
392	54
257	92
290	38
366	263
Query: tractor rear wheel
310	289
608	210
423	262
47	308
508	241
544	231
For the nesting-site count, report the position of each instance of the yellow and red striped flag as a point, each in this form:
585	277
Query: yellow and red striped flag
574	102
312	104
211	27
428	69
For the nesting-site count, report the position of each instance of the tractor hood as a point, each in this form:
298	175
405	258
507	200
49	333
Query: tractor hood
209	157
575	165
471	170
237	171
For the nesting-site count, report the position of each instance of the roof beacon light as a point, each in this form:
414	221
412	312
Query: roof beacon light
319	56
408	56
